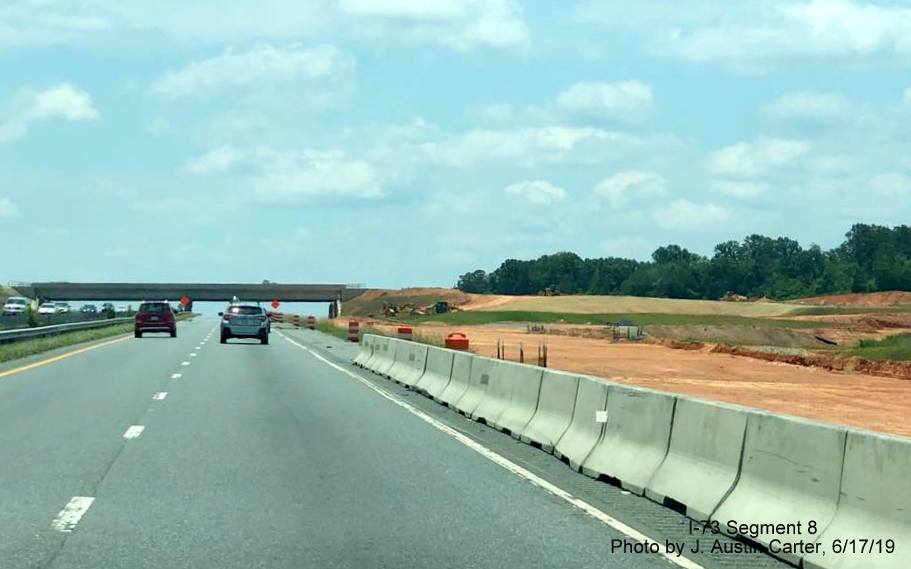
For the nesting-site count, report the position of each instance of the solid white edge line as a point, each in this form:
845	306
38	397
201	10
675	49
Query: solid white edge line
70	515
594	512
134	431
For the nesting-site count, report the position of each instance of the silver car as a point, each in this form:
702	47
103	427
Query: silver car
244	321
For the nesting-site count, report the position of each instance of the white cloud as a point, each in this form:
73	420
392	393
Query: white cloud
757	159
404	9
256	68
810	108
460	25
684	214
64	102
536	145
215	160
537	191
891	185
624	100
758	33
312	174
742	189
8	209
211	22
616	189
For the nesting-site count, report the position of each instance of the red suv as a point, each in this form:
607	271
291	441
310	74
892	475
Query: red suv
155	316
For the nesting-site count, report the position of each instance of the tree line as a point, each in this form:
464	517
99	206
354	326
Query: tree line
871	258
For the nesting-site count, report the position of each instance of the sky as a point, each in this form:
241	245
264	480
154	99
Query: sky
397	143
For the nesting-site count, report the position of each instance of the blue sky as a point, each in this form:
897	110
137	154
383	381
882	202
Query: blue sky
400	142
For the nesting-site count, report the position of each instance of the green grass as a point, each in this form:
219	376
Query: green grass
829	310
327	327
476	317
892	348
25	348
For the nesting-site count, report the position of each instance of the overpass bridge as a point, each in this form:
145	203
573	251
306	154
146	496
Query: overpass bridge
218	292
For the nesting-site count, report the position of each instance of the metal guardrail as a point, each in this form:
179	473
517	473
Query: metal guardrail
39	331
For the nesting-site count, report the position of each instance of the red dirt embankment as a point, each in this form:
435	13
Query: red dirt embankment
883	368
865	299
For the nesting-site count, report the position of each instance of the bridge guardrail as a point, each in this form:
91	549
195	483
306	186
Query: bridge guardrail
40	331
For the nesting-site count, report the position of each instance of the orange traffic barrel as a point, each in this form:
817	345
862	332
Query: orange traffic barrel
352	330
404	332
457	341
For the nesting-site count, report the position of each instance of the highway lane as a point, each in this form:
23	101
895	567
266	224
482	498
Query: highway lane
259	456
61	428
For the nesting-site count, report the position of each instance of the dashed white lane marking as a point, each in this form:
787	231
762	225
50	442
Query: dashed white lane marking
70	515
134	431
192	354
160	395
511	466
176	375
199	347
184	363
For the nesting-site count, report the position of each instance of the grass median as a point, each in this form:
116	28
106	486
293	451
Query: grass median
25	348
30	347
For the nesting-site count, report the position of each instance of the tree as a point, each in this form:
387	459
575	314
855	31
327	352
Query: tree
475	281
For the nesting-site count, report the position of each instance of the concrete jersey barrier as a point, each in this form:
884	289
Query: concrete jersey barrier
790	473
523	400
555	410
437	372
377	354
703	461
386	359
636	437
585	430
478	381
875	504
366	351
495	399
410	359
459	379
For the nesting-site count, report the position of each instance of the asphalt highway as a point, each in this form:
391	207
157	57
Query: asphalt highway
172	453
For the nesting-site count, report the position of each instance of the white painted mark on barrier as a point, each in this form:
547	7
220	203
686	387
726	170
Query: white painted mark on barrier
70	515
176	375
600	416
594	512
160	395
134	431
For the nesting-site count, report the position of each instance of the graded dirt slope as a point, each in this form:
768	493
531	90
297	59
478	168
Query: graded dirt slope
583	304
866	299
372	302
